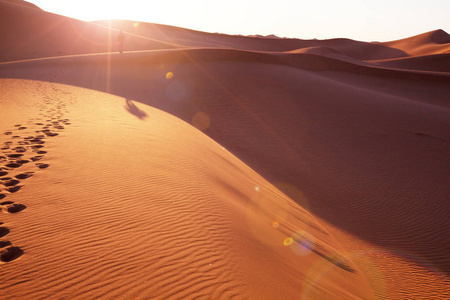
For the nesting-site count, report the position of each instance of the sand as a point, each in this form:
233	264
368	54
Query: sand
199	165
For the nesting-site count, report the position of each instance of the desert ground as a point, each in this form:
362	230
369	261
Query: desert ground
201	165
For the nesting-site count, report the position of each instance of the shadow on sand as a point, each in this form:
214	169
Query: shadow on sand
134	110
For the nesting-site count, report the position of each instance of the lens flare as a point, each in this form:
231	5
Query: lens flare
256	188
136	24
294	193
288	241
169	75
201	121
176	91
275	224
304	243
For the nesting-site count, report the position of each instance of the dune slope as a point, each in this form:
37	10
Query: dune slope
322	142
123	200
327	138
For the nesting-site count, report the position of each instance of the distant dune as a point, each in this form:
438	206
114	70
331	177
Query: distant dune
23	3
31	33
433	42
209	166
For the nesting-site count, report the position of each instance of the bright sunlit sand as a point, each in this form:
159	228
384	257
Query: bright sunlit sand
209	166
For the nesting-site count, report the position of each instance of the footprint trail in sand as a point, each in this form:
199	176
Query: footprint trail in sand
25	149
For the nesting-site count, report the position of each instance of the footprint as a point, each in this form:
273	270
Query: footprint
24	175
14	165
14	188
22	161
7	133
15	208
14	155
10	254
51	133
2	196
20	149
22	128
36	158
11	207
6	203
3	173
11	182
3	231
42	166
4	244
37	141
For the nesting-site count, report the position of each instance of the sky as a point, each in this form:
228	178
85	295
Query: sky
364	20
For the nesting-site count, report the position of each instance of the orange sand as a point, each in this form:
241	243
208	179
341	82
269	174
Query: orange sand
208	166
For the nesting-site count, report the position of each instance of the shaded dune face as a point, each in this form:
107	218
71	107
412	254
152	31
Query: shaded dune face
334	181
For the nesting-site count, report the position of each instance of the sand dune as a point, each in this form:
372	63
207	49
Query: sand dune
433	42
351	48
31	33
134	202
434	62
202	165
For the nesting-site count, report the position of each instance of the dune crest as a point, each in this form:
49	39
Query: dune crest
23	3
429	43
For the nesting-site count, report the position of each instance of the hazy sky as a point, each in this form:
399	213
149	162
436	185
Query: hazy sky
374	20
